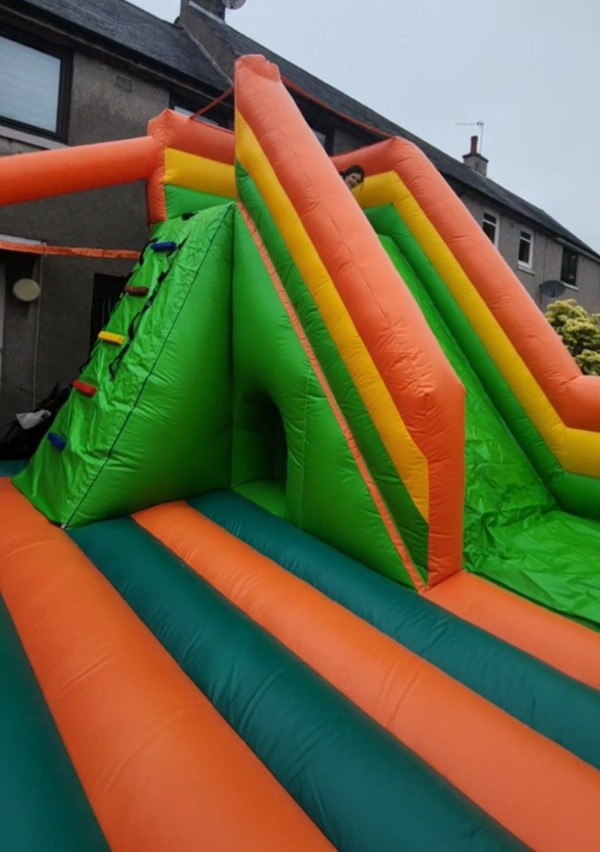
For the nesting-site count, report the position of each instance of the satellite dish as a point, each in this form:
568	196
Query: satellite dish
552	288
233	4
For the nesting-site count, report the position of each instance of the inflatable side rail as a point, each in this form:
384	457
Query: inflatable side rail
374	324
47	174
178	151
537	379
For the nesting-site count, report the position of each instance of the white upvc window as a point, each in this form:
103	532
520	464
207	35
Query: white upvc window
32	87
491	226
525	260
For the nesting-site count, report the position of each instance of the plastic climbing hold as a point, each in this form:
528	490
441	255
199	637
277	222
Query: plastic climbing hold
84	389
165	246
56	441
111	337
136	291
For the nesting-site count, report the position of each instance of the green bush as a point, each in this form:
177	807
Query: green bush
580	332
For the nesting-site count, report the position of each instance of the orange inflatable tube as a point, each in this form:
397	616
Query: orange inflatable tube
46	174
563	644
161	768
174	130
539	791
575	397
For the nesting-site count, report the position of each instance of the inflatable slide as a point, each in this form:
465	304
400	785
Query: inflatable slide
309	559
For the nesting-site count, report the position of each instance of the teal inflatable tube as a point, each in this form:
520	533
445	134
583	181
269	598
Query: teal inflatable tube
43	807
551	703
11	468
366	791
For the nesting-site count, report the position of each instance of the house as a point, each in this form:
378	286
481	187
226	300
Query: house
74	73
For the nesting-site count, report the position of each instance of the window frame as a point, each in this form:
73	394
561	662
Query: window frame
496	218
571	284
65	58
219	116
526	265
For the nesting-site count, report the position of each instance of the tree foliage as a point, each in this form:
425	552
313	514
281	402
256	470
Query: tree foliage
580	332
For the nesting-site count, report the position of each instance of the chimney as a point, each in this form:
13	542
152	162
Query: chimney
474	160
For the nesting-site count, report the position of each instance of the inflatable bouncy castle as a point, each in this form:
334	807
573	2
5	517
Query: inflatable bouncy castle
310	558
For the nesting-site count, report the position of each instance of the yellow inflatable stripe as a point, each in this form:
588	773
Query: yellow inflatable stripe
409	461
199	173
110	337
577	450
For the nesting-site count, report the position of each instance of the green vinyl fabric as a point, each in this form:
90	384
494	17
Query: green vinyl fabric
158	427
284	429
364	790
181	201
216	383
515	532
411	526
42	804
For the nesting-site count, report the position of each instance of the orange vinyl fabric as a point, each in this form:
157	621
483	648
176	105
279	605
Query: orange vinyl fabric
428	397
173	130
576	398
161	768
536	789
45	174
563	644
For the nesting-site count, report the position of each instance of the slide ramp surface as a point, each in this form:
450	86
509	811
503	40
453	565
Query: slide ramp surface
515	533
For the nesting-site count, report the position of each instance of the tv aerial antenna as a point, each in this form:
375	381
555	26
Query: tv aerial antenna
479	124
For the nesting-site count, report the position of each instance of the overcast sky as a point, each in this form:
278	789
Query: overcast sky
529	69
